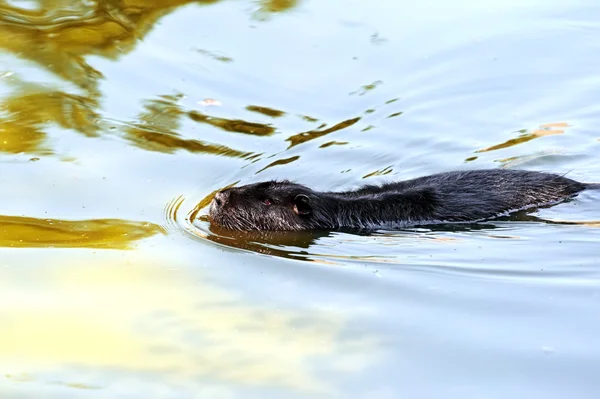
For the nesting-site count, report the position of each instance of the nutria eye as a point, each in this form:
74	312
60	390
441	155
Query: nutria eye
267	201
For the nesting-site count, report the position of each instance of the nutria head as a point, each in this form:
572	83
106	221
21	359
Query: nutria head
271	205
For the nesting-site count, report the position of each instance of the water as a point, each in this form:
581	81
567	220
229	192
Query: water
119	118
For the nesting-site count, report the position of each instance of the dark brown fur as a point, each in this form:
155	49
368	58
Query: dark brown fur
464	196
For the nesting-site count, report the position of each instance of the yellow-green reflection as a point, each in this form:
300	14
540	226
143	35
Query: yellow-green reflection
275	113
163	142
385	171
309	118
26	114
314	134
136	316
548	129
58	34
286	244
284	161
158	126
233	125
366	88
19	231
277	5
516	160
215	56
330	143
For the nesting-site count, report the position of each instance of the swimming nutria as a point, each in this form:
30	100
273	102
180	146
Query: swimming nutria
462	196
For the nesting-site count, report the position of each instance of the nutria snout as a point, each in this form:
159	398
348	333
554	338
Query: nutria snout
463	196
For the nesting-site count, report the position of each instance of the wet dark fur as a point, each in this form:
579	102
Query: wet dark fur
441	198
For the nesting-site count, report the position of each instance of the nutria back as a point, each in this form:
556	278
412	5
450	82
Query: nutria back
462	196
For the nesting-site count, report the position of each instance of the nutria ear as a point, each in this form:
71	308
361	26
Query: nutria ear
302	205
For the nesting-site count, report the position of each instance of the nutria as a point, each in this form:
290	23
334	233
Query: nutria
461	196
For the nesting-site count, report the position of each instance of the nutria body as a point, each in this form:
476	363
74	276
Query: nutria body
464	196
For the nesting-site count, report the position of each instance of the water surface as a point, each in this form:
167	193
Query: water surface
120	117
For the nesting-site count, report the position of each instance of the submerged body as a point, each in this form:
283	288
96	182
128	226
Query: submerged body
464	196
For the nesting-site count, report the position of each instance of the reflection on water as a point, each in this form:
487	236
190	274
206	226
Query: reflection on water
385	171
234	125
215	56
291	245
277	5
548	129
158	126
168	98
57	35
275	113
366	88
27	232
70	33
162	324
284	161
24	115
267	7
330	143
304	137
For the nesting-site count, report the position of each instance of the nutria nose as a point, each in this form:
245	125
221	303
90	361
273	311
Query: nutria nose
221	197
